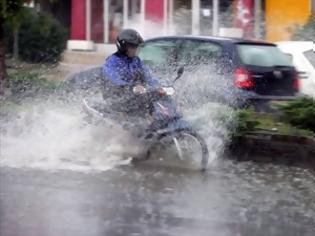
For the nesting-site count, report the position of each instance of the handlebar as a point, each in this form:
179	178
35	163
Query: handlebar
162	91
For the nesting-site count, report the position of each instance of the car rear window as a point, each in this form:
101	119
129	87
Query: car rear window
310	55
199	52
262	55
158	53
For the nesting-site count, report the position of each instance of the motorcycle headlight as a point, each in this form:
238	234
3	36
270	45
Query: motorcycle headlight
169	91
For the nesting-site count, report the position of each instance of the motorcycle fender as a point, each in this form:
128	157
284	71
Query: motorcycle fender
174	126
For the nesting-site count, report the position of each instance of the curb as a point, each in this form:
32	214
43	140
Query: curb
274	148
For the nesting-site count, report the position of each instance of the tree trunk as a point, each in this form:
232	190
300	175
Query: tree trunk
16	43
2	58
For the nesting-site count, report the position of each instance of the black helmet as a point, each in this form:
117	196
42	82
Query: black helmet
128	37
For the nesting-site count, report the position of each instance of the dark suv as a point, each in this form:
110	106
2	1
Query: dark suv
250	70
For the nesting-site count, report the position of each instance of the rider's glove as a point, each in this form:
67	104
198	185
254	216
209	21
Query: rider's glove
138	89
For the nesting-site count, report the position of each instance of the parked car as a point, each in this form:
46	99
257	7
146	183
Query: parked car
250	71
303	57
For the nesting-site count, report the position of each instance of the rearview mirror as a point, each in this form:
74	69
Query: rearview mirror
180	71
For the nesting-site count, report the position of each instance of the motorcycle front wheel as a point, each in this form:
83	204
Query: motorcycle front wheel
189	147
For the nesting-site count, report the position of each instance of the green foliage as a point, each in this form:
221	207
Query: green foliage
8	37
8	8
41	38
300	113
30	84
244	122
307	32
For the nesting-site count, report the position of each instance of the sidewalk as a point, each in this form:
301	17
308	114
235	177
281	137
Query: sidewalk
75	61
83	58
89	57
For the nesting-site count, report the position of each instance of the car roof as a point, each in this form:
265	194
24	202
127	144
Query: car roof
216	39
296	46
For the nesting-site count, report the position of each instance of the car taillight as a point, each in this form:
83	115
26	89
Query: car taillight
243	79
296	82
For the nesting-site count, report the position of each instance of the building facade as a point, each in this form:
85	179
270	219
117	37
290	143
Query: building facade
281	16
97	22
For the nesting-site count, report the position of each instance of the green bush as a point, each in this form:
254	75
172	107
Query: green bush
300	113
41	38
30	84
244	122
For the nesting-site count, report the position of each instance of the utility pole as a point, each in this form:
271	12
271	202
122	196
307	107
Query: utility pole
106	20
165	16
171	19
257	21
195	17
88	20
215	20
125	13
142	13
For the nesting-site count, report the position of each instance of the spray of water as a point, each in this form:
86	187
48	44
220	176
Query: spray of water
52	133
198	94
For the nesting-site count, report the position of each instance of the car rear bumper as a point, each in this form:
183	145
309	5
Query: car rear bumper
250	95
247	98
275	98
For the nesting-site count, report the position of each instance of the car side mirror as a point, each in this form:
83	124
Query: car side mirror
180	72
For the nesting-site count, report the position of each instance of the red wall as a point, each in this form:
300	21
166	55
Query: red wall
154	10
97	27
78	19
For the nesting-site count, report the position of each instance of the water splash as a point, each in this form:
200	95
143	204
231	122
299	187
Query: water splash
52	133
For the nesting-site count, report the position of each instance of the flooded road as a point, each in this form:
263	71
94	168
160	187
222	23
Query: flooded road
61	176
230	199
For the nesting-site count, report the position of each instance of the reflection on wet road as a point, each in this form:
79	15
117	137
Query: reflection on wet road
230	199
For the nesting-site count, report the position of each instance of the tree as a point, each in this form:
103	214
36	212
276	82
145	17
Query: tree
9	10
16	22
306	32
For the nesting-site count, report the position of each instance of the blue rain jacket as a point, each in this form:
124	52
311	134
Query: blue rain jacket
121	71
120	75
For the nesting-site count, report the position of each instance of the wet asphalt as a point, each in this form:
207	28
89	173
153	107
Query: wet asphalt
229	199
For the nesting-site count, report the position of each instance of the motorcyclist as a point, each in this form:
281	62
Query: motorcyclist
124	73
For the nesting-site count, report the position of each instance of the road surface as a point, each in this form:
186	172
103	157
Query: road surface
230	199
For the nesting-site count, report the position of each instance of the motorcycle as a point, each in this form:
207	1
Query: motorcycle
168	128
